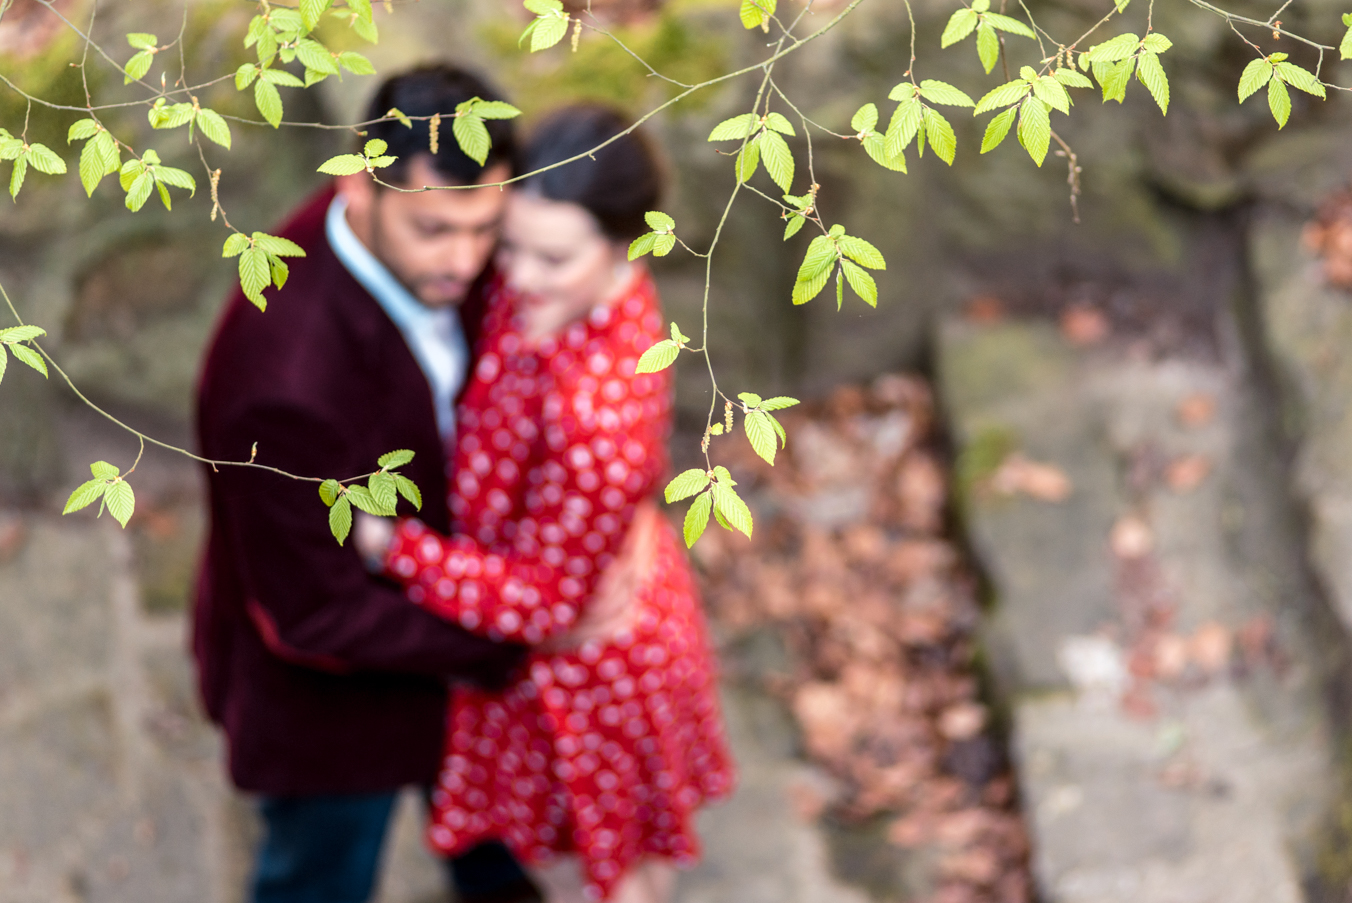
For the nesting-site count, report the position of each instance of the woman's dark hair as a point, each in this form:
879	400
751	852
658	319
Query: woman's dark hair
426	91
616	185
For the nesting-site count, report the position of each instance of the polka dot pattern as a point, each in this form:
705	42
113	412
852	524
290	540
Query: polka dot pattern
607	751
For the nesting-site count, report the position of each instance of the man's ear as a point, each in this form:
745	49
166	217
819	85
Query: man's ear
360	193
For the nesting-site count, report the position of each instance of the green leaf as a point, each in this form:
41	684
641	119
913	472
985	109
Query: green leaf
279	247
495	109
175	177
686	484
753	13
748	158
665	242
862	252
818	259
987	47
139	192
804	290
43	159
1071	79
778	159
254	275
4	361
409	490
697	518
861	282
865	118
142	41
1003	96
343	165
1118	48
1115	81
943	93
1035	129
840	291
104	471
235	245
778	403
1006	24
658	357
876	146
659	221
751	399
902	91
642	245
85	495
779	124
472	136
121	501
1279	101
81	130
763	439
169	116
906	120
1156	42
736	128
731	508
245	75
1290	73
279	270
30	357
941	136
268	101
213	125
21	333
395	459
138	66
280	76
1052	93
316	56
311	10
676	335
1151	74
549	30
401	116
329	490
1255	76
17	175
383	493
795	223
340	519
960	25
1345	48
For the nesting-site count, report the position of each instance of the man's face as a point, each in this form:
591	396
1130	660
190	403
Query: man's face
435	242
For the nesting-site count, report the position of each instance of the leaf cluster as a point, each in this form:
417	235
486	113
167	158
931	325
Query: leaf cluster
762	138
1275	72
548	27
141	176
11	342
985	23
260	262
659	241
23	154
762	429
713	492
844	256
380	495
662	355
109	488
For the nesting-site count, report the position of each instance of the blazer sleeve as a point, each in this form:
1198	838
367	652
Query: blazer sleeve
312	601
598	467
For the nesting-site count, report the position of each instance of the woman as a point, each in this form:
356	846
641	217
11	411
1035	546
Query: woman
602	753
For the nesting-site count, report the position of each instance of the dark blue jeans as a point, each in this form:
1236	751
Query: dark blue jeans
326	849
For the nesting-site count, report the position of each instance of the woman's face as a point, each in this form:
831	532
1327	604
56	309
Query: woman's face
554	254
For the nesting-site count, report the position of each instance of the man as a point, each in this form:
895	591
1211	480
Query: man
329	684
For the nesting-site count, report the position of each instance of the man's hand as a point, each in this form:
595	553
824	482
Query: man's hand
612	608
372	536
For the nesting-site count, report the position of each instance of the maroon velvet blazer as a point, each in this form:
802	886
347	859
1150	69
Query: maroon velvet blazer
325	679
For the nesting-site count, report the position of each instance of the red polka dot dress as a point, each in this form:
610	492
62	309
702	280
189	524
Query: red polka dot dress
606	751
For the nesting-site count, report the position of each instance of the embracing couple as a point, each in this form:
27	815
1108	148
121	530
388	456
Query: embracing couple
529	651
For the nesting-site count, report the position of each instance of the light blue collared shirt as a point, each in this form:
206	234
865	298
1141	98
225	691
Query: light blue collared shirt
433	335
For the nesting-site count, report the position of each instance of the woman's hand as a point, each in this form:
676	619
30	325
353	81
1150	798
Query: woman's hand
612	607
372	536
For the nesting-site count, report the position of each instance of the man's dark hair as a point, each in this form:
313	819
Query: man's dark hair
617	184
426	91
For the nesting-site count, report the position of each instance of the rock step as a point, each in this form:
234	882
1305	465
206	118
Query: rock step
1151	626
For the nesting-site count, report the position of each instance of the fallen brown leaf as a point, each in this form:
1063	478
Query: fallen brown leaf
984	310
1084	325
1196	410
1018	475
1131	537
1187	473
1210	647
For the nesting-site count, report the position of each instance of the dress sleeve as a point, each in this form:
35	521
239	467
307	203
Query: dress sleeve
604	430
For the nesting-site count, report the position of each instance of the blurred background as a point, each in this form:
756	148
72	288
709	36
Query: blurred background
1050	594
